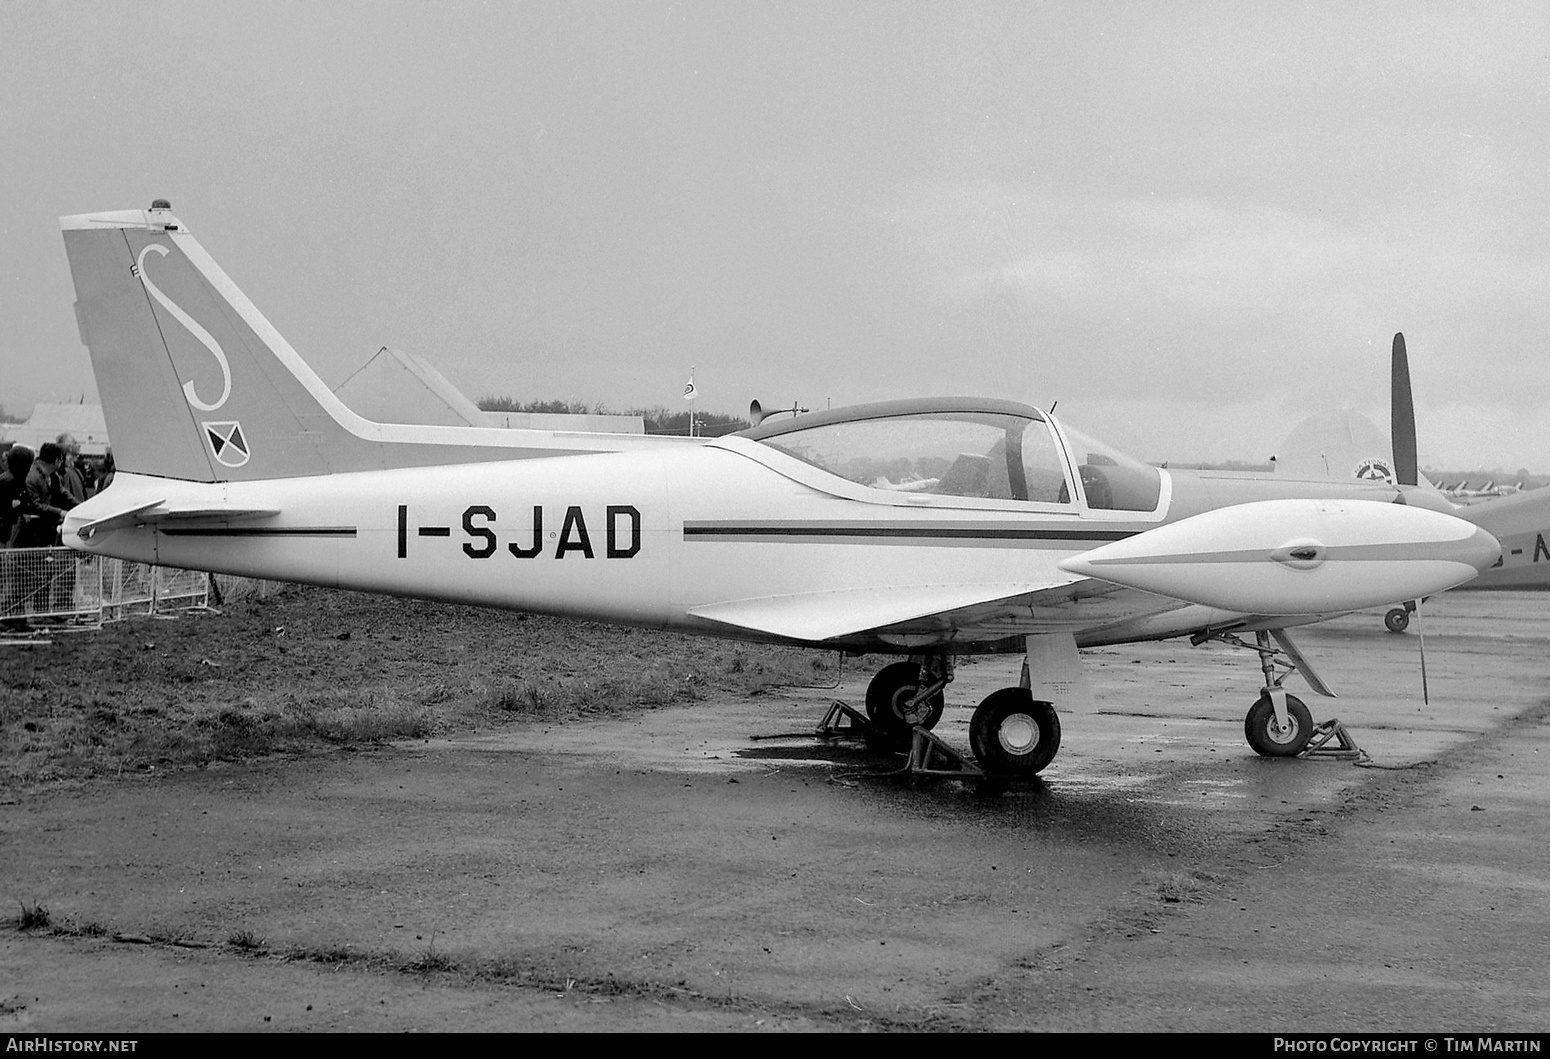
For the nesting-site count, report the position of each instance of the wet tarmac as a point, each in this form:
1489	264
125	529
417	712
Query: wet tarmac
712	867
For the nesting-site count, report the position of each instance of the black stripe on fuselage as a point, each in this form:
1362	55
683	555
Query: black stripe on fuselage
253	531
723	531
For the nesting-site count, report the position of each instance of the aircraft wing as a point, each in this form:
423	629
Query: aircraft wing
1005	608
1272	558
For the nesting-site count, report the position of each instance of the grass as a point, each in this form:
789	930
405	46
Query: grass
245	941
306	668
32	917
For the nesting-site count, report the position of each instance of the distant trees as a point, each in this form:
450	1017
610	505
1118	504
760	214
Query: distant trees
570	408
658	420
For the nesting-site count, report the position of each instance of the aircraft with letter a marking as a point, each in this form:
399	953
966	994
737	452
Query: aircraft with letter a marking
924	529
1346	443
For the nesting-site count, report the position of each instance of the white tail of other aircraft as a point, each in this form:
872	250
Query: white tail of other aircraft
196	384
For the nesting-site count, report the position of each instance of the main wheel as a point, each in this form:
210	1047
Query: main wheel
1269	740
1397	620
1013	734
888	703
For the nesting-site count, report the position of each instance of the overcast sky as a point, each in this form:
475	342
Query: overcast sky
1190	224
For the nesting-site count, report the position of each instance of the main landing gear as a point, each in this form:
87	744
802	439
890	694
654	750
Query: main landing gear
1012	735
906	695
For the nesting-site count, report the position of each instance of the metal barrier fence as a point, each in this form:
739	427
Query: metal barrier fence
87	590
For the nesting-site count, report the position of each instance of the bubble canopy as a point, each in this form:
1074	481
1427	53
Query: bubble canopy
997	450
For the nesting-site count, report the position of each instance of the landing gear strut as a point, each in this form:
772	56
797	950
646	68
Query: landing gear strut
1012	734
1278	724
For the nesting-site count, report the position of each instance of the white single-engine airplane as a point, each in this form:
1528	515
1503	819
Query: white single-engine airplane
925	529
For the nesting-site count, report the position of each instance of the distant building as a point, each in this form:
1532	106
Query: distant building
588	422
48	421
399	387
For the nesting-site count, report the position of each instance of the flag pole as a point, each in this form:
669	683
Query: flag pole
690	393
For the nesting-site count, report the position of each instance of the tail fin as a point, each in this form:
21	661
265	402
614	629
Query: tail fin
196	384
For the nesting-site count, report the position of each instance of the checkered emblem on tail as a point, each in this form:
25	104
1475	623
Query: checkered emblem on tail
227	442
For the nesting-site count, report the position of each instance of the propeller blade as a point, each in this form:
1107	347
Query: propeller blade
1420	630
1402	416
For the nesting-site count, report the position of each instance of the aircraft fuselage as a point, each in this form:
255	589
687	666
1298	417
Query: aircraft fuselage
643	538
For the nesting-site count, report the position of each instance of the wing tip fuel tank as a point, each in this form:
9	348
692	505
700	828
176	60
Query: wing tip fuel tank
1297	556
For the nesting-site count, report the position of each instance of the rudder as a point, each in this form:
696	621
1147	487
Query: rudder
185	365
196	384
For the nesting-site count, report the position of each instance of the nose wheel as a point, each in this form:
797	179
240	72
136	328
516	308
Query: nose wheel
1269	737
1278	724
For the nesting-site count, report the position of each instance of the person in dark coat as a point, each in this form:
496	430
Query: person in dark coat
71	480
14	502
15	509
48	499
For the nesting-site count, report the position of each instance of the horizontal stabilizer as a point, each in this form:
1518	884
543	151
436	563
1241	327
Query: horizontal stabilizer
128	517
157	512
1297	556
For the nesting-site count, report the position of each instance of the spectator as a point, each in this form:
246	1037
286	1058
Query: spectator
15	510
48	499
71	480
14	502
105	476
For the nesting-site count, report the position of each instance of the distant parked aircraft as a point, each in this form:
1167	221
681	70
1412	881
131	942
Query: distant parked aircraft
1520	520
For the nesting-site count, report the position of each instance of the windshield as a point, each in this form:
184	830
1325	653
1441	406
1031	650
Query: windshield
969	454
1112	480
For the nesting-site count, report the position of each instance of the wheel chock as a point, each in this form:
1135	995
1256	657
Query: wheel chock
1344	750
842	720
930	756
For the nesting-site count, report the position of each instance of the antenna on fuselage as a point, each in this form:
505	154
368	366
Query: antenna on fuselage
757	414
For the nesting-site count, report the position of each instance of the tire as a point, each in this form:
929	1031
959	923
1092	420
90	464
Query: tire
1259	728
887	697
1397	620
1013	734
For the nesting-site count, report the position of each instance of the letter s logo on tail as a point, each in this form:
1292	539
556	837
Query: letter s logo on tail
205	338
